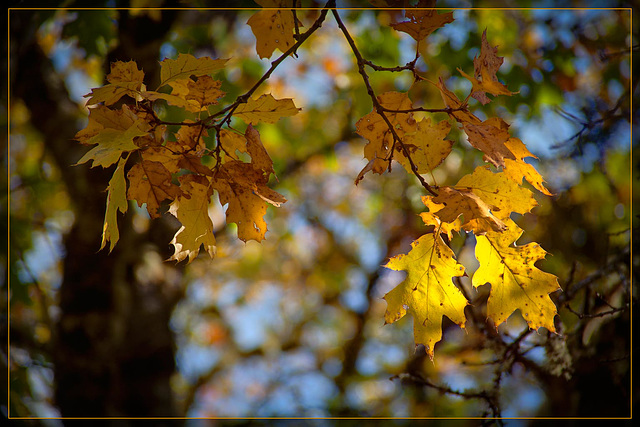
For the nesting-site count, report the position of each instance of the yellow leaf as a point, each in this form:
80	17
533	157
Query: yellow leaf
172	99
501	194
265	109
429	218
232	142
150	183
189	139
273	28
518	169
162	155
427	146
516	283
374	128
111	143
116	201
428	292
191	208
186	66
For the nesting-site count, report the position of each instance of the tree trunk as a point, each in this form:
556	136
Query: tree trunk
113	350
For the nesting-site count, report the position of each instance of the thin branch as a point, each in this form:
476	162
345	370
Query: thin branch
377	106
229	110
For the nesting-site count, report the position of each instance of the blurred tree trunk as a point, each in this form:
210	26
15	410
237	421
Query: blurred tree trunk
113	349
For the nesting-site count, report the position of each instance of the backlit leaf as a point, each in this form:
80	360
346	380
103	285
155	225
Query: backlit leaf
273	28
266	109
428	292
191	208
116	201
516	283
187	65
375	129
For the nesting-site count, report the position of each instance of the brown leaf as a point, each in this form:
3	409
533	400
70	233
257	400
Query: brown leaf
374	128
422	22
477	214
490	137
150	183
484	77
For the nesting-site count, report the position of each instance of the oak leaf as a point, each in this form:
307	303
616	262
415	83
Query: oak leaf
485	68
273	28
490	137
460	111
191	208
204	92
477	214
232	143
163	155
375	129
518	169
428	292
500	193
185	66
265	109
116	201
427	146
150	183
422	22
440	226
244	189
516	283
259	157
124	79
110	143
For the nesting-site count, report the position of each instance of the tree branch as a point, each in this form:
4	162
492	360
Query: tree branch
378	107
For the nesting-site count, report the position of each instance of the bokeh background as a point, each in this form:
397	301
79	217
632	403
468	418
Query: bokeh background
294	326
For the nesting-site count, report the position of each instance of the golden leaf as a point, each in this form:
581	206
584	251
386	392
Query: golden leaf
429	218
427	146
461	114
500	193
485	68
477	214
490	137
375	129
265	109
187	65
116	201
191	208
111	143
273	28
518	169
428	292
516	283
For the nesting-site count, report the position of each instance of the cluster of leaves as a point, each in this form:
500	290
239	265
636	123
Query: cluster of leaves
205	155
182	168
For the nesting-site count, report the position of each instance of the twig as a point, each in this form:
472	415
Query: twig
361	62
